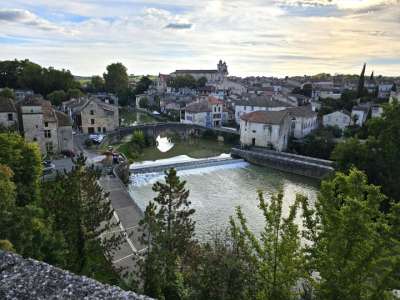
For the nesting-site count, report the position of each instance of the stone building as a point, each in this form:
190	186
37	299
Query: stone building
340	119
8	112
40	123
91	115
303	121
212	76
268	129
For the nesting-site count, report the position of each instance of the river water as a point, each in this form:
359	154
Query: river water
216	191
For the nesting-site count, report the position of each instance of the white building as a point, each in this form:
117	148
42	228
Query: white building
360	113
303	121
384	90
207	112
376	111
340	119
257	104
394	96
8	112
269	129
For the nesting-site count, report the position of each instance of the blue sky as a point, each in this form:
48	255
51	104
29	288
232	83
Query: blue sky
255	37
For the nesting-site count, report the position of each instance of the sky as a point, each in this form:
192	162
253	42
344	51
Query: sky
254	37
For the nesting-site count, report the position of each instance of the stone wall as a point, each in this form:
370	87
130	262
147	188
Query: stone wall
296	164
22	278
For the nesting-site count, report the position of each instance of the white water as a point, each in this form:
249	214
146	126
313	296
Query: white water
164	144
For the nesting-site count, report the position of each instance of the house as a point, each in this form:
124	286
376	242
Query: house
265	129
40	123
394	96
360	113
340	119
91	115
303	121
256	104
376	111
206	112
384	90
8	112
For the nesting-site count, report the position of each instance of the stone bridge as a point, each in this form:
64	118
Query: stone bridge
171	128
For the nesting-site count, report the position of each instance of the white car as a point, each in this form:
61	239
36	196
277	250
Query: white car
97	138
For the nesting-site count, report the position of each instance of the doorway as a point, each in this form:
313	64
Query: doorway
253	142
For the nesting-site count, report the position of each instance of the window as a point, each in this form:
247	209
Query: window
104	130
34	139
47	134
92	112
49	148
92	121
46	124
10	117
98	129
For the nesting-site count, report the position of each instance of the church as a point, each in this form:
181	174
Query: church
212	76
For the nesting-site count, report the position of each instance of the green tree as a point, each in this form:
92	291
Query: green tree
143	85
361	81
57	97
7	93
97	84
201	82
84	214
24	160
116	78
275	259
350	244
74	93
379	155
168	233
144	102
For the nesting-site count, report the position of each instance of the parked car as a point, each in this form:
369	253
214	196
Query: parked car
48	167
96	138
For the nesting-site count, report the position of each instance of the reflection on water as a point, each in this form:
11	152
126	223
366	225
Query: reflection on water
216	191
164	144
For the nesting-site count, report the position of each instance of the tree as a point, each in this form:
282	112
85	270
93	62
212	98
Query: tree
361	81
7	93
57	97
350	244
74	93
275	259
24	160
144	102
182	81
378	156
201	82
142	85
83	213
168	232
26	229
116	78
97	84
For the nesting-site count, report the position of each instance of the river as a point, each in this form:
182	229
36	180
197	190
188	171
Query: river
216	191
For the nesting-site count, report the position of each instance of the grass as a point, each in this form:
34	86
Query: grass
196	148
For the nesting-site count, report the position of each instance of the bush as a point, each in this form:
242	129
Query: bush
209	134
89	143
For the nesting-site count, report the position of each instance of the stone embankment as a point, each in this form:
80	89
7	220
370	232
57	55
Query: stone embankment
200	163
291	163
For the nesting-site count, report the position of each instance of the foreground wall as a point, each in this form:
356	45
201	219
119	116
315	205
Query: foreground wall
22	278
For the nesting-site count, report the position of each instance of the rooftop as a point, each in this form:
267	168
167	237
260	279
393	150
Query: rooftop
265	117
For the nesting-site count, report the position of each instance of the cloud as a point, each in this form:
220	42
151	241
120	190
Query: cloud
25	17
179	26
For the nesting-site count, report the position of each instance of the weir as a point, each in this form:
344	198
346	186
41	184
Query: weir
185	165
287	162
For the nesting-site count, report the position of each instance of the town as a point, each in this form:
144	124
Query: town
82	158
275	113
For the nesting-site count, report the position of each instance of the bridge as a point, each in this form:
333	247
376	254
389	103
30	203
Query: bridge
170	128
